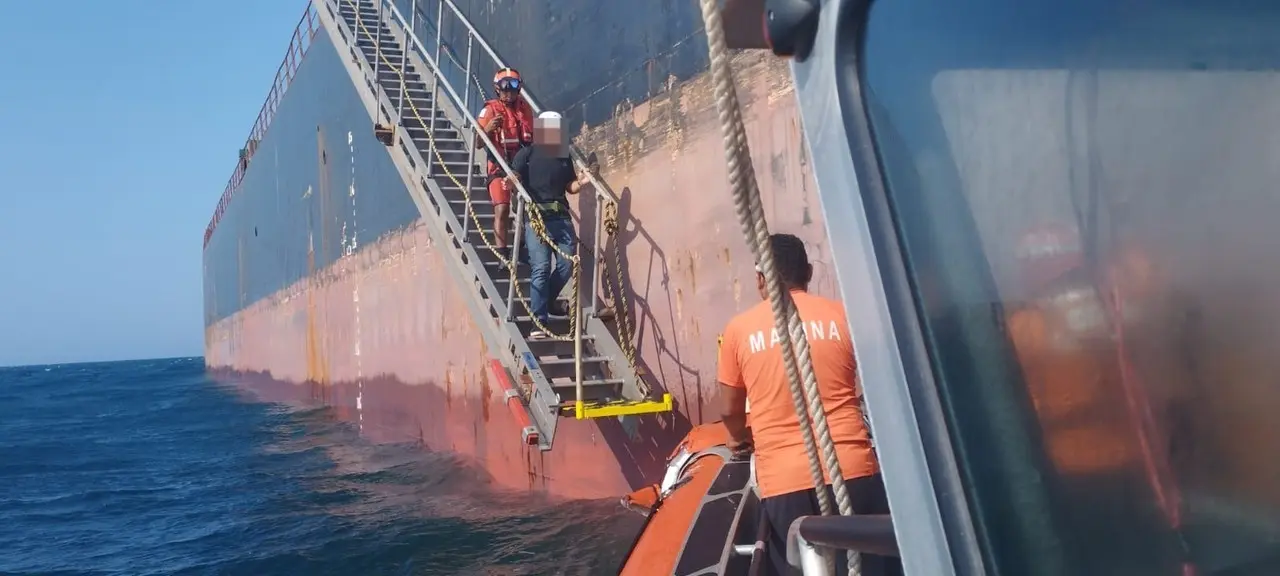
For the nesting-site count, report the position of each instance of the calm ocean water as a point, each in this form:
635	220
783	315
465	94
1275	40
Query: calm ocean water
148	467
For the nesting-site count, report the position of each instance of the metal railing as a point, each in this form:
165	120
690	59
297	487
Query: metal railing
298	46
808	536
447	9
479	55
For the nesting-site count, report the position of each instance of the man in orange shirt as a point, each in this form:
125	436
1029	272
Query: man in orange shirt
751	369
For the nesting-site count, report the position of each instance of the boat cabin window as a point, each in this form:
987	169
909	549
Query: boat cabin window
1088	198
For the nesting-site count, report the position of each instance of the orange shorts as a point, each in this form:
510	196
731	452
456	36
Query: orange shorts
500	191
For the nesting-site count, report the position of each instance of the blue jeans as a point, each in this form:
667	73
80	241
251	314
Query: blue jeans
548	282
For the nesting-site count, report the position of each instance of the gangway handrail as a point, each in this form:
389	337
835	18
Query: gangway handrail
606	217
865	533
471	126
469	122
602	189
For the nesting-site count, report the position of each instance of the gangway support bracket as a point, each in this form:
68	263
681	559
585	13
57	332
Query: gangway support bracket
584	411
515	402
385	133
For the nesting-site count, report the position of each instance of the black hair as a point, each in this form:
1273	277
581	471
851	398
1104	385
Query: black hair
791	260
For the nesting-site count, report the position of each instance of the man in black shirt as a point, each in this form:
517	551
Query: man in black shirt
548	175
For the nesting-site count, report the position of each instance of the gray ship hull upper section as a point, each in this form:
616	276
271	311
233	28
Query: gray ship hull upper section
319	185
583	58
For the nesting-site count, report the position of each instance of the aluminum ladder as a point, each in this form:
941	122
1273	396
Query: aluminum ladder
419	114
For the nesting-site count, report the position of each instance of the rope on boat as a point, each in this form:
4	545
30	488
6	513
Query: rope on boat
787	322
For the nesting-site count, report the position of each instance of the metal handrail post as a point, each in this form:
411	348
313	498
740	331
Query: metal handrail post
803	554
577	342
466	220
811	560
596	269
471	150
515	266
439	33
435	88
377	60
404	58
466	86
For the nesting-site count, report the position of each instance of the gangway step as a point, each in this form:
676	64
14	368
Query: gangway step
444	134
557	360
552	322
587	410
548	342
565	385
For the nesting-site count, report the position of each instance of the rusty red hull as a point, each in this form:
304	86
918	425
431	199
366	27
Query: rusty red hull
373	325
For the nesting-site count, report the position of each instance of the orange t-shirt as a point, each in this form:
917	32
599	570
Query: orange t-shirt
751	358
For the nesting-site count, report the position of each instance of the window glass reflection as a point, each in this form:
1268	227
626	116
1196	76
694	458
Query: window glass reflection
1114	165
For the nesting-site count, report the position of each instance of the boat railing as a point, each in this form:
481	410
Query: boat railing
298	45
809	535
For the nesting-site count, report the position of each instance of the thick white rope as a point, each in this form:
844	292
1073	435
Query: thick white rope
795	347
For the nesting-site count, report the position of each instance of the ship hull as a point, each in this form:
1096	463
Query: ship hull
323	285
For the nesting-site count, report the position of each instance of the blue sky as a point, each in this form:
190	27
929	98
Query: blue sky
122	121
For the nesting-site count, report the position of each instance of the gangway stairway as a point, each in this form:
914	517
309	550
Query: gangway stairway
428	132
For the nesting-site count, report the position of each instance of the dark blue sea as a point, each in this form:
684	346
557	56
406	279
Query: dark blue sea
150	467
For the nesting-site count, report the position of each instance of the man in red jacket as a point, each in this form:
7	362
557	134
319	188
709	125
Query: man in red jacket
508	122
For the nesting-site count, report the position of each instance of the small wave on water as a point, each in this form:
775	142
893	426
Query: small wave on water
148	467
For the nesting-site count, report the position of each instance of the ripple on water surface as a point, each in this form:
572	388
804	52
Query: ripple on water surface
149	468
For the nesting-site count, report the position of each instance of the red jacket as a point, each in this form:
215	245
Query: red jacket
517	124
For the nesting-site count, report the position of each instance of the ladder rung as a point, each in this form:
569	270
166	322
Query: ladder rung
452	141
499	265
479	197
560	319
365	41
487	256
439	135
369	45
410	119
562	301
546	340
562	360
567	382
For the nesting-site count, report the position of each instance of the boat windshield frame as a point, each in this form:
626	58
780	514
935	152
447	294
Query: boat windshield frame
931	517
